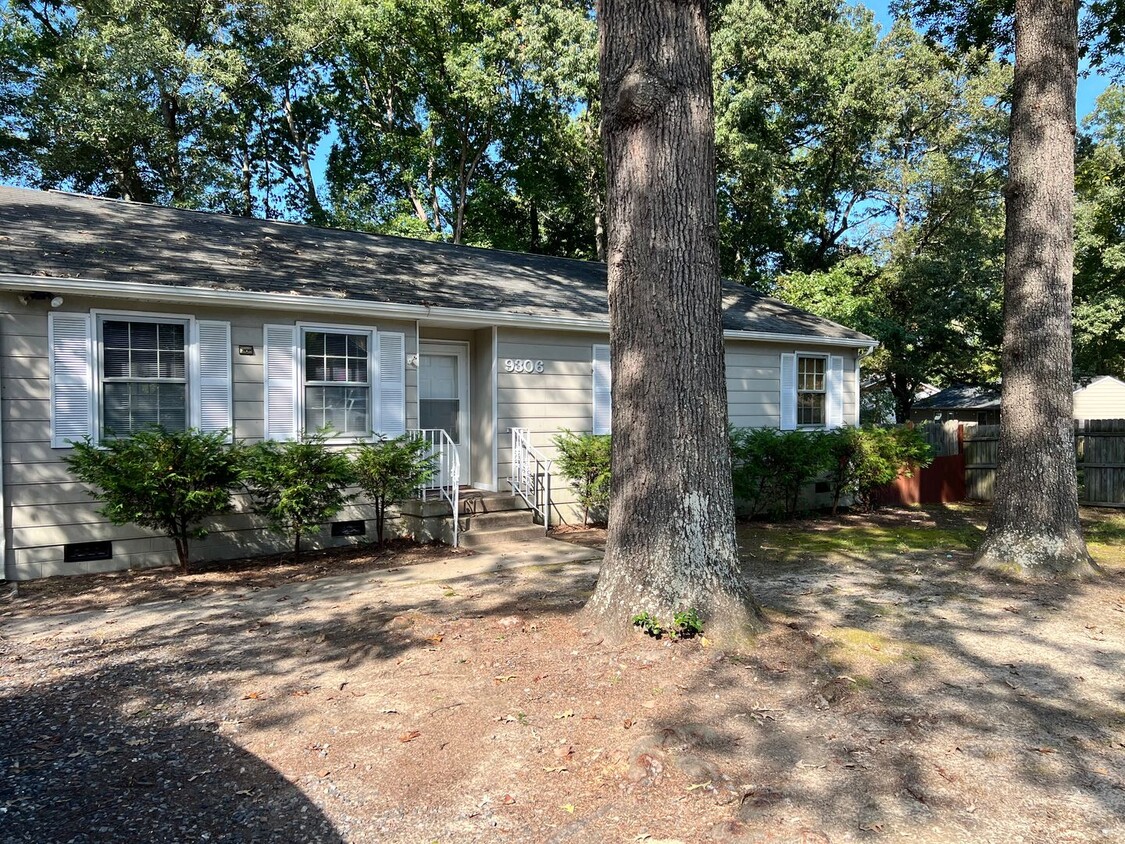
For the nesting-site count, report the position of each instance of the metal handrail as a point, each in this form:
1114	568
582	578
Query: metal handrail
446	480
530	477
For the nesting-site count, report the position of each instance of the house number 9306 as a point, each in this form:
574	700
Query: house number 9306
525	365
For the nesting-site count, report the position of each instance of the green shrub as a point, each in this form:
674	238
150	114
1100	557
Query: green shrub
868	458
583	459
769	467
163	480
389	471
298	485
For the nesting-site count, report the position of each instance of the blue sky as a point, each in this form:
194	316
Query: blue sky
1088	87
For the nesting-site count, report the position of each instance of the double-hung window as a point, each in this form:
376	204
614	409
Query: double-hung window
144	375
337	382
346	380
114	374
812	391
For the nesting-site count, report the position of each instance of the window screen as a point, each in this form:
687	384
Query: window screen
144	376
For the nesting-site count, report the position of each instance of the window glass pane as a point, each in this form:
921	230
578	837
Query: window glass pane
115	362
172	364
171	337
357	346
810	408
143	363
337	358
343	410
130	406
142	335
437	377
441	413
314	342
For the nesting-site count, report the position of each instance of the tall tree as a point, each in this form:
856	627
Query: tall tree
1034	527
438	100
933	219
671	543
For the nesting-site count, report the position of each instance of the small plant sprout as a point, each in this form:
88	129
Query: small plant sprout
686	624
649	624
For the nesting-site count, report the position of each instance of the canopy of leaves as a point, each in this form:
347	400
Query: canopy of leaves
1099	279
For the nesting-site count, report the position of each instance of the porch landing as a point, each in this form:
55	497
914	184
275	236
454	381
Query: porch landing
487	520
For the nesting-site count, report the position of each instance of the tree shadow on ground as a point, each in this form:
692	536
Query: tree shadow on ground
75	768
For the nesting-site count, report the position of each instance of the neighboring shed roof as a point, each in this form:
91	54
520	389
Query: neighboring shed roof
959	397
62	235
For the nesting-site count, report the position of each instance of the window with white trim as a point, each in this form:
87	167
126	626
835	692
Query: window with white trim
143	376
337	381
114	373
812	390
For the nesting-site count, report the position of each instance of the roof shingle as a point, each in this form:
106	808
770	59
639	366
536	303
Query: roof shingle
55	234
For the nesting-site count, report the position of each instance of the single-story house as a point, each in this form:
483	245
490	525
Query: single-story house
960	403
116	315
1102	397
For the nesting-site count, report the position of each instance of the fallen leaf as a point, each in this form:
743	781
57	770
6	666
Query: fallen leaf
628	723
254	696
567	807
504	678
558	770
435	639
413	734
1044	750
568	714
299	693
322	774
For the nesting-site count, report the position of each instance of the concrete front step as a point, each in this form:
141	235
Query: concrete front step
481	522
485	539
475	502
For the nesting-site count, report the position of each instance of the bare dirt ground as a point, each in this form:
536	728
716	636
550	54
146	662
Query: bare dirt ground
897	695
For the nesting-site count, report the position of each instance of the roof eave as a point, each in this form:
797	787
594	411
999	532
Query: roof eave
146	291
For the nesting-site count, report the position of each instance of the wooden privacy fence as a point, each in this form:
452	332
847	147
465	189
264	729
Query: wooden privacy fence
943	481
1100	445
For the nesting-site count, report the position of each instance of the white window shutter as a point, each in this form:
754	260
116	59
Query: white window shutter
70	353
212	378
788	392
603	391
834	414
281	382
391	418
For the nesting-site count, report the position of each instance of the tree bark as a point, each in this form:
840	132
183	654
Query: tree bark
671	543
1034	528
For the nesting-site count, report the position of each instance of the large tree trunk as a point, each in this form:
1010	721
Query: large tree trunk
671	543
1034	527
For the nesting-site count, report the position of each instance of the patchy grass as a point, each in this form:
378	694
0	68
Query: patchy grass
853	648
1105	535
954	529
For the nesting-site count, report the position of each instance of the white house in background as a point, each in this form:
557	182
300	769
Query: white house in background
1102	397
116	315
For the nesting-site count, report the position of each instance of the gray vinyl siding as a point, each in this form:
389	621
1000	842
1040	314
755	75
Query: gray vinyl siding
45	508
562	396
482	429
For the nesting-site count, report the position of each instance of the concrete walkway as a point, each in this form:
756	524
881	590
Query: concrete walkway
541	552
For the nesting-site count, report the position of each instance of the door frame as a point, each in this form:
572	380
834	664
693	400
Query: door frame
459	348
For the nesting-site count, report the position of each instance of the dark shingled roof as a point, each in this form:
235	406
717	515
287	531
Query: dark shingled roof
961	396
54	234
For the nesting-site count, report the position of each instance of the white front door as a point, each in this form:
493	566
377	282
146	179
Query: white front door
443	395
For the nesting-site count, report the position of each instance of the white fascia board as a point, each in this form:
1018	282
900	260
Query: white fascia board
358	307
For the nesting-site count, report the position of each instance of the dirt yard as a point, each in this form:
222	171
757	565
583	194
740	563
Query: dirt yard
897	695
